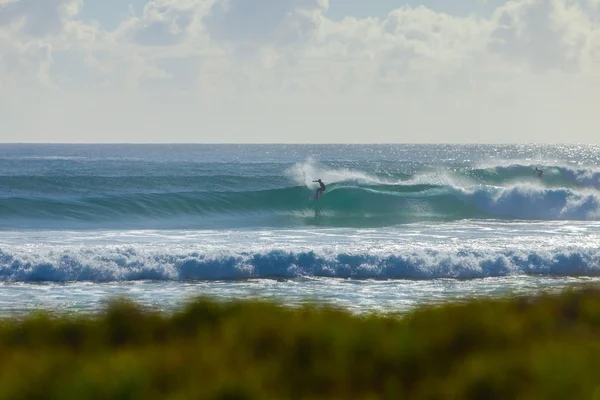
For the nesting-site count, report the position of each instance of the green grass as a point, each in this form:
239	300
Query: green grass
547	347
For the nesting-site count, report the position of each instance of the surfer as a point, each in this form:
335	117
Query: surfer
539	172
321	189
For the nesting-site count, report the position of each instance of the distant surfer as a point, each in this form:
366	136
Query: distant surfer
539	172
321	189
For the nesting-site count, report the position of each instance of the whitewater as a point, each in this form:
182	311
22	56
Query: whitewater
399	225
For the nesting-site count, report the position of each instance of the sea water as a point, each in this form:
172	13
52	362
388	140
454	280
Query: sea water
398	226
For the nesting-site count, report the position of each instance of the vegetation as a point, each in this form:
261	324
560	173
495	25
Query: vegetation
546	347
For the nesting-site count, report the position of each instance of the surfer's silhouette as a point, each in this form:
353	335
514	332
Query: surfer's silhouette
539	172
321	189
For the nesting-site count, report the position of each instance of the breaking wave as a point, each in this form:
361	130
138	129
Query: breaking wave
353	197
100	264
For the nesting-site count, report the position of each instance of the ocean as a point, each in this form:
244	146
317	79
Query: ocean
399	226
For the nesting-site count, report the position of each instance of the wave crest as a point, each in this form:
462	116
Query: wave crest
101	264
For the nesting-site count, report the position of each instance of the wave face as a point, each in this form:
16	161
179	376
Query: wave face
245	186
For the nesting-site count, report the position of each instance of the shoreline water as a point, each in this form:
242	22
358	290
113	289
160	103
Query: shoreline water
357	297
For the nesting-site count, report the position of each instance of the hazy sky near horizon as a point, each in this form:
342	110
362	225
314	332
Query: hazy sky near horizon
300	71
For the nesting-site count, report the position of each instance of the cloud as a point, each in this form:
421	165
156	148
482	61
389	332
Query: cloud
164	22
27	64
280	44
502	69
38	18
248	26
547	34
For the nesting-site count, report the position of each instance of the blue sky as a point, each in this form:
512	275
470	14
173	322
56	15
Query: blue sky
381	8
111	12
299	70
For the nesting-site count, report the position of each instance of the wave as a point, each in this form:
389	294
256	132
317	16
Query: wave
530	202
341	205
99	264
553	175
353	197
62	185
502	175
304	173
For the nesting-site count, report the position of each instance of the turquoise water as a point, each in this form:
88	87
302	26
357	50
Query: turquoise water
399	225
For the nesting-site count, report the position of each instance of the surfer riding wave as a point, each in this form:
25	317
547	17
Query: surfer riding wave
321	189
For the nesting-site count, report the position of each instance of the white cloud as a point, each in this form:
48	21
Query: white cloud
38	18
234	66
28	63
164	22
548	34
250	25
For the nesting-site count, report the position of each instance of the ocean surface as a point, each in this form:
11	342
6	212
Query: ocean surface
399	225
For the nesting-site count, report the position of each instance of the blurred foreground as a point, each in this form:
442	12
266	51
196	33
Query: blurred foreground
547	347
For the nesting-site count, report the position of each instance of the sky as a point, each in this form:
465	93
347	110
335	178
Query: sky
299	71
